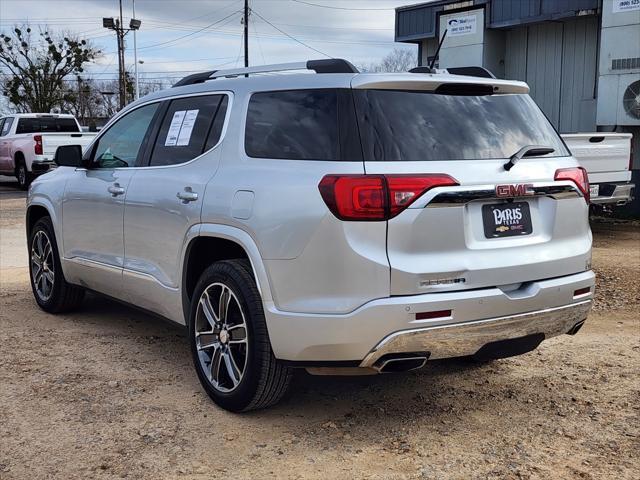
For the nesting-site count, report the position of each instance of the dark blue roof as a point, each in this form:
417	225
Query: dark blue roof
414	22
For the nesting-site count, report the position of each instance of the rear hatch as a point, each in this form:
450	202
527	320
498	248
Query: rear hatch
493	226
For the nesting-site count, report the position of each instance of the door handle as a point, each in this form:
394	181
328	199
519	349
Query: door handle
188	195
115	190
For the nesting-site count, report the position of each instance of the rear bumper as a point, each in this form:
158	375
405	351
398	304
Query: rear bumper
38	168
389	325
462	339
618	193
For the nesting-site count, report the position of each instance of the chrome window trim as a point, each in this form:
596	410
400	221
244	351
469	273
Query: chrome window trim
230	97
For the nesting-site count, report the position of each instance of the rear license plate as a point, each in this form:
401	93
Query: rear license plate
594	190
506	219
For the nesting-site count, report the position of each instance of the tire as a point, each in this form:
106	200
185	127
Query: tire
53	294
248	376
23	175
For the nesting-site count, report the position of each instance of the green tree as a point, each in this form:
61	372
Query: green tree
36	67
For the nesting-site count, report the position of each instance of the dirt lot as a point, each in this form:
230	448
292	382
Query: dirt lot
110	392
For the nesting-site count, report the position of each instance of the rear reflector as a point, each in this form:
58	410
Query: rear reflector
577	175
376	197
430	315
582	291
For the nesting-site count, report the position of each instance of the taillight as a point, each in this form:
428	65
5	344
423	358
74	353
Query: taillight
38	146
577	175
376	197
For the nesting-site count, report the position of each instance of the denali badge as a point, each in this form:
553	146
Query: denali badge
518	190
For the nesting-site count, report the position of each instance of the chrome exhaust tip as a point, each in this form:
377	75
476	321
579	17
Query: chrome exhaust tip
396	363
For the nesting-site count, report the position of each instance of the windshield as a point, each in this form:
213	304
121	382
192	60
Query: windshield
46	124
416	126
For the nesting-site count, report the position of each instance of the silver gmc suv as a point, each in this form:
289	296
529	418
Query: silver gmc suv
337	221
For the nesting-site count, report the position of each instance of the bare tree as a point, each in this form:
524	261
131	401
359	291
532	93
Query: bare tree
38	67
398	60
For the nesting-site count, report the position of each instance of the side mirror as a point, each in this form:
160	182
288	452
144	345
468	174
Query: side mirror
68	156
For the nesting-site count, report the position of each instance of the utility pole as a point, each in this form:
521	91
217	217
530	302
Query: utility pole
135	52
118	27
246	33
121	65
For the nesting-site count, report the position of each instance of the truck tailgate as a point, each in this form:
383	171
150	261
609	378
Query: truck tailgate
51	141
604	155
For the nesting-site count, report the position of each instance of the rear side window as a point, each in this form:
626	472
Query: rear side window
417	126
293	125
190	126
47	124
6	126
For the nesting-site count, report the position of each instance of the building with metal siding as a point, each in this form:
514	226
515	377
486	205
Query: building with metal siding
581	58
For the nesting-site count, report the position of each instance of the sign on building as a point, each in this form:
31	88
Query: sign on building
463	25
625	5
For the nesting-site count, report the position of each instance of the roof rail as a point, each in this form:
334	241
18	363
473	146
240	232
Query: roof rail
331	65
467	71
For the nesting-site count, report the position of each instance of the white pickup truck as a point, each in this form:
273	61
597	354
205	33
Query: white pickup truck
607	159
28	142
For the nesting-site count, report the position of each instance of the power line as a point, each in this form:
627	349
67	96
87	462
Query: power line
189	34
339	8
291	37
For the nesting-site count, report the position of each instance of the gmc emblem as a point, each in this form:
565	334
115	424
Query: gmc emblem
518	190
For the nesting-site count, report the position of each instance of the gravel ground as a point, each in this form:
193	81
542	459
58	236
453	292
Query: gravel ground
109	392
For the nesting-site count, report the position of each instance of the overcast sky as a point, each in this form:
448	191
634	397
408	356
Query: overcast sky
181	36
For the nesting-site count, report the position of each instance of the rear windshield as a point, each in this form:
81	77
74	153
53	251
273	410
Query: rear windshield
46	124
415	126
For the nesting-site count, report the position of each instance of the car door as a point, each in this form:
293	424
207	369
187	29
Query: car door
164	199
93	203
6	165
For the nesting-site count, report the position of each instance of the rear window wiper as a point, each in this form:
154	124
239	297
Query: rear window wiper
528	151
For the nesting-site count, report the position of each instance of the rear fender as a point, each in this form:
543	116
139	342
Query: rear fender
238	236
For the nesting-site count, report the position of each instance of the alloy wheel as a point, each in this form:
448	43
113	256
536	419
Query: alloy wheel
42	265
221	337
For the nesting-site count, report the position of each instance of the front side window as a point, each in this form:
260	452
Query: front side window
293	125
46	125
190	126
424	126
120	145
6	126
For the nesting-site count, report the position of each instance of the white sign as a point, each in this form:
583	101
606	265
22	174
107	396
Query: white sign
174	128
625	5
182	124
462	25
187	127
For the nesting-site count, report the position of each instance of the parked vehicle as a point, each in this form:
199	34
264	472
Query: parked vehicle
339	222
28	142
608	160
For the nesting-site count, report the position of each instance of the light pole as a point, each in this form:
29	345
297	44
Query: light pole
117	26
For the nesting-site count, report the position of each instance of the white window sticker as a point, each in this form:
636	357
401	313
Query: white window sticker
625	5
187	127
174	128
462	25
